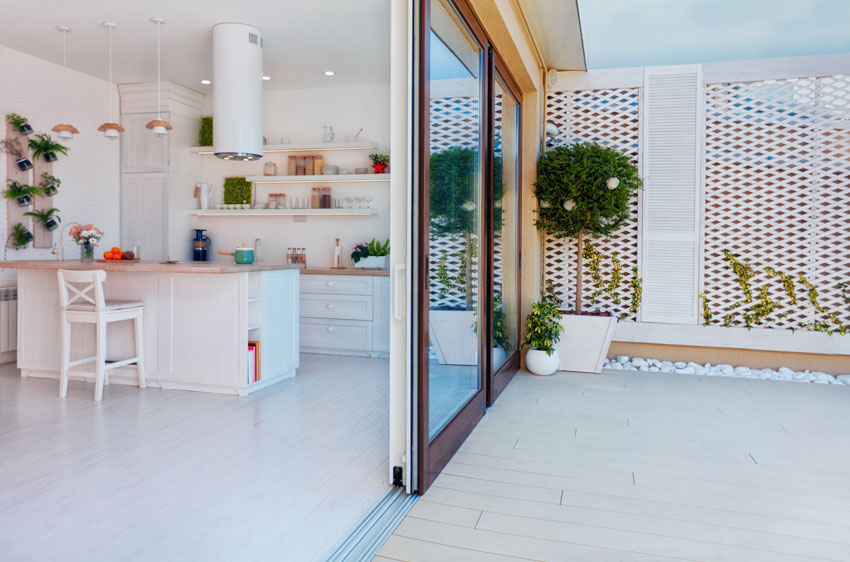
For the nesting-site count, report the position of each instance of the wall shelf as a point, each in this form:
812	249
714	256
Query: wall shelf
317	147
341	178
281	212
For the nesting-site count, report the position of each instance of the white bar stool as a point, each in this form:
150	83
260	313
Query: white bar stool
87	305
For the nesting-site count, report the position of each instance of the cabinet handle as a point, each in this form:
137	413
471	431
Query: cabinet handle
330	306
330	328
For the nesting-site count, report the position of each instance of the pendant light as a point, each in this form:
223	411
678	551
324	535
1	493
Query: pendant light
63	130
158	126
109	129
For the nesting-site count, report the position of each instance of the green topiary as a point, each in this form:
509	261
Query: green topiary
583	189
205	137
237	191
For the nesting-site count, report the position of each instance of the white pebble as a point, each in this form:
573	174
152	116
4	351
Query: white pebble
644	367
685	371
654	369
680	364
786	370
622	359
617	366
639	363
843	379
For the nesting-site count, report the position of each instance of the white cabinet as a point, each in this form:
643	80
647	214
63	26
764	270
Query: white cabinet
141	151
345	314
144	214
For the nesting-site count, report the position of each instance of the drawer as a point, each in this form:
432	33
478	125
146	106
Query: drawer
343	307
336	334
336	284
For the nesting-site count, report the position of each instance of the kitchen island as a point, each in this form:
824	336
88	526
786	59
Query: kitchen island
199	318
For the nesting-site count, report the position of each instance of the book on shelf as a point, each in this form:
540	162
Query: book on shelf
254	372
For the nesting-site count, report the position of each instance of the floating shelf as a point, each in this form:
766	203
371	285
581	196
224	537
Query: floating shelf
318	147
346	178
281	212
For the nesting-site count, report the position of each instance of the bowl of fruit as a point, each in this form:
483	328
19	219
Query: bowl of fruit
116	254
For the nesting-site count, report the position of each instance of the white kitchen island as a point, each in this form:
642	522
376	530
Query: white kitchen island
198	320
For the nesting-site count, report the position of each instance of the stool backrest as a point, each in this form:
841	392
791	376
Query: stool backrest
89	295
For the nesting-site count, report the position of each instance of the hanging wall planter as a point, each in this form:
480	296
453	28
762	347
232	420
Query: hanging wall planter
42	145
20	236
24	164
19	123
48	218
49	185
21	192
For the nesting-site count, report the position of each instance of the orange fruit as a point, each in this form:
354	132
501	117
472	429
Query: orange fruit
116	250
107	255
117	255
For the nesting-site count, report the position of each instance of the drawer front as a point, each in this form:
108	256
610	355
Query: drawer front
337	334
341	307
336	284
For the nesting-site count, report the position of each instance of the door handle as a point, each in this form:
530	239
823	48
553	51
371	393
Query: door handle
397	269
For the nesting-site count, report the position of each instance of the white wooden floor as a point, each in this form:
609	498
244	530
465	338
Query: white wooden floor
163	475
628	466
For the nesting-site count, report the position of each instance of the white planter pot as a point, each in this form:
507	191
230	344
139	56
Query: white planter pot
541	363
584	342
372	262
498	357
452	337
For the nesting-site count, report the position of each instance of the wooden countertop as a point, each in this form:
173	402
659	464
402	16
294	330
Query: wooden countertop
347	271
148	266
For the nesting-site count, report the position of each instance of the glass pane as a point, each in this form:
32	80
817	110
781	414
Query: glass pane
455	225
505	224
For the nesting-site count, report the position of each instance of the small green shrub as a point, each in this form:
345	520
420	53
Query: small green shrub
237	191
542	325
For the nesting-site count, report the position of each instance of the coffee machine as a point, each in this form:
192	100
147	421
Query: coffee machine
200	246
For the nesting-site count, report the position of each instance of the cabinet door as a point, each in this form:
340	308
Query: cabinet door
280	304
381	315
144	214
141	151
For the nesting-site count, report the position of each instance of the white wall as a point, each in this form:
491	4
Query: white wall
300	115
47	94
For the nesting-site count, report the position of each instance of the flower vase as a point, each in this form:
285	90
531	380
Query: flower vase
86	251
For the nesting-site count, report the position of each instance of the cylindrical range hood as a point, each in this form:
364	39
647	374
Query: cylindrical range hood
237	91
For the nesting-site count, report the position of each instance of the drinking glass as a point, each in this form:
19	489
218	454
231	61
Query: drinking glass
348	200
368	199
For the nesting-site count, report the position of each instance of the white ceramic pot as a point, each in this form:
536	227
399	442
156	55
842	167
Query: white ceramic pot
584	342
498	356
375	262
541	363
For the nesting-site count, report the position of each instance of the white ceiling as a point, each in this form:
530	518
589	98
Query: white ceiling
303	38
556	27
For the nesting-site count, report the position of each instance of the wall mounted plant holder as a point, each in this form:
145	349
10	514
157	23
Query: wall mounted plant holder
21	192
21	236
48	218
19	123
24	164
44	146
49	185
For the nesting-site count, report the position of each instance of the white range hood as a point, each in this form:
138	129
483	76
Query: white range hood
237	91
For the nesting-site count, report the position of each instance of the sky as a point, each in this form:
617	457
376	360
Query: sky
621	33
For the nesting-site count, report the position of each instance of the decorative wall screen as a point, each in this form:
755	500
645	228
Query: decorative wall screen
777	192
609	117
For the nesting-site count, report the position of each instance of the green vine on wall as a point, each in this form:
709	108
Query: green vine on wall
611	286
448	281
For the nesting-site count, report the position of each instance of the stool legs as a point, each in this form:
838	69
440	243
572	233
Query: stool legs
66	357
100	361
140	348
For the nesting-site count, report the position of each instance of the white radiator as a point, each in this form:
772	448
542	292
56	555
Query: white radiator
8	319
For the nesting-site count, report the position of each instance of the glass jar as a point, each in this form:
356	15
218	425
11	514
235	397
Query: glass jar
299	165
309	169
290	170
281	201
326	198
269	169
316	198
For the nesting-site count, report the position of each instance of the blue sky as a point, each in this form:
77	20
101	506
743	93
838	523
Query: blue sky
620	33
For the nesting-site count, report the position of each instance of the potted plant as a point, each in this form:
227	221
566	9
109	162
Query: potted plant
49	185
500	341
543	331
87	236
19	123
22	192
237	191
20	236
584	190
43	145
16	149
205	135
380	163
47	217
374	254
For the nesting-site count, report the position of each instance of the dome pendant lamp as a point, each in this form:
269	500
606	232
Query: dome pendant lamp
158	126
109	129
63	130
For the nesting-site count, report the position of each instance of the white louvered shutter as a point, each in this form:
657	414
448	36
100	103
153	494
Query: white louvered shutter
672	124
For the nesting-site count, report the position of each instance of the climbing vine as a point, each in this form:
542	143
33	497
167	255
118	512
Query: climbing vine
612	285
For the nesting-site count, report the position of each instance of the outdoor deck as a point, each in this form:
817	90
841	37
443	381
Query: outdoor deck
628	466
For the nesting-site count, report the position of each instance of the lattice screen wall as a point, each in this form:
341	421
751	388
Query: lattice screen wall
777	190
610	117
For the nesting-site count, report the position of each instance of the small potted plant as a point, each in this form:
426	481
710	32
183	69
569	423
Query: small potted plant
500	341
19	123
584	189
87	236
22	192
43	145
20	236
16	149
371	255
543	331
380	163
49	218
49	185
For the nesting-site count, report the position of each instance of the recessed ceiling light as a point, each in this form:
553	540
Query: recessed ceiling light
206	82
266	77
329	73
